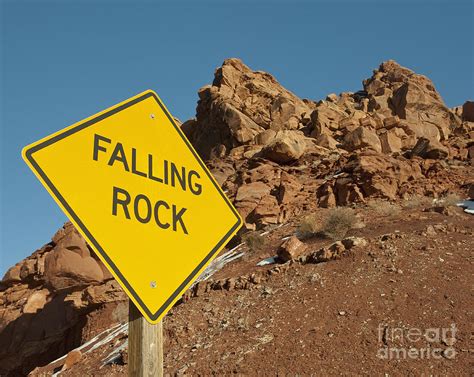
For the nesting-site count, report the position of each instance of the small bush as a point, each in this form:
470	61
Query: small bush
449	200
338	222
384	208
254	241
309	226
417	201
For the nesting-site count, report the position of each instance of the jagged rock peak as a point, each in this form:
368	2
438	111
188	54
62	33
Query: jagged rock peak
238	106
231	68
391	73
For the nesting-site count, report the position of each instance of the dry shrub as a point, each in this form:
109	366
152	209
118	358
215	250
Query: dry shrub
384	208
254	240
309	227
338	222
449	200
418	201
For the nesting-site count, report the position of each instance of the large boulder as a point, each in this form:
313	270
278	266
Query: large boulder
390	141
362	137
325	118
426	148
291	249
249	197
327	141
71	263
253	191
287	146
239	105
65	269
65	262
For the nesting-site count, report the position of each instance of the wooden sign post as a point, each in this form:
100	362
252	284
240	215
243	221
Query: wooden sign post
145	345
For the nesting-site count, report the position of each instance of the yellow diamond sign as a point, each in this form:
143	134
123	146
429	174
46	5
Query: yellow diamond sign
134	187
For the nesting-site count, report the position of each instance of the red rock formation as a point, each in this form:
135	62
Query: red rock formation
46	299
276	156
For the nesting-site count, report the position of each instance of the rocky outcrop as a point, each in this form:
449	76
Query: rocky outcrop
266	193
387	127
395	90
369	174
65	263
248	114
395	109
45	301
239	105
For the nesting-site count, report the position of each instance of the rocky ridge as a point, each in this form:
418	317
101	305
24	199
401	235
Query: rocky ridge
388	140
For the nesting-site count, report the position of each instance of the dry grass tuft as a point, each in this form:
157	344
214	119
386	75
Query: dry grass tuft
384	208
449	200
338	222
309	227
417	202
254	241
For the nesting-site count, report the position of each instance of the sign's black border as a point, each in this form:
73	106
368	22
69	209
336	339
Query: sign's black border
79	127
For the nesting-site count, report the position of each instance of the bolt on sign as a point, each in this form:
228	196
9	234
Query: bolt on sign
135	188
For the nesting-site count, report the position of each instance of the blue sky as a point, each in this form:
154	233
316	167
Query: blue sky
62	61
